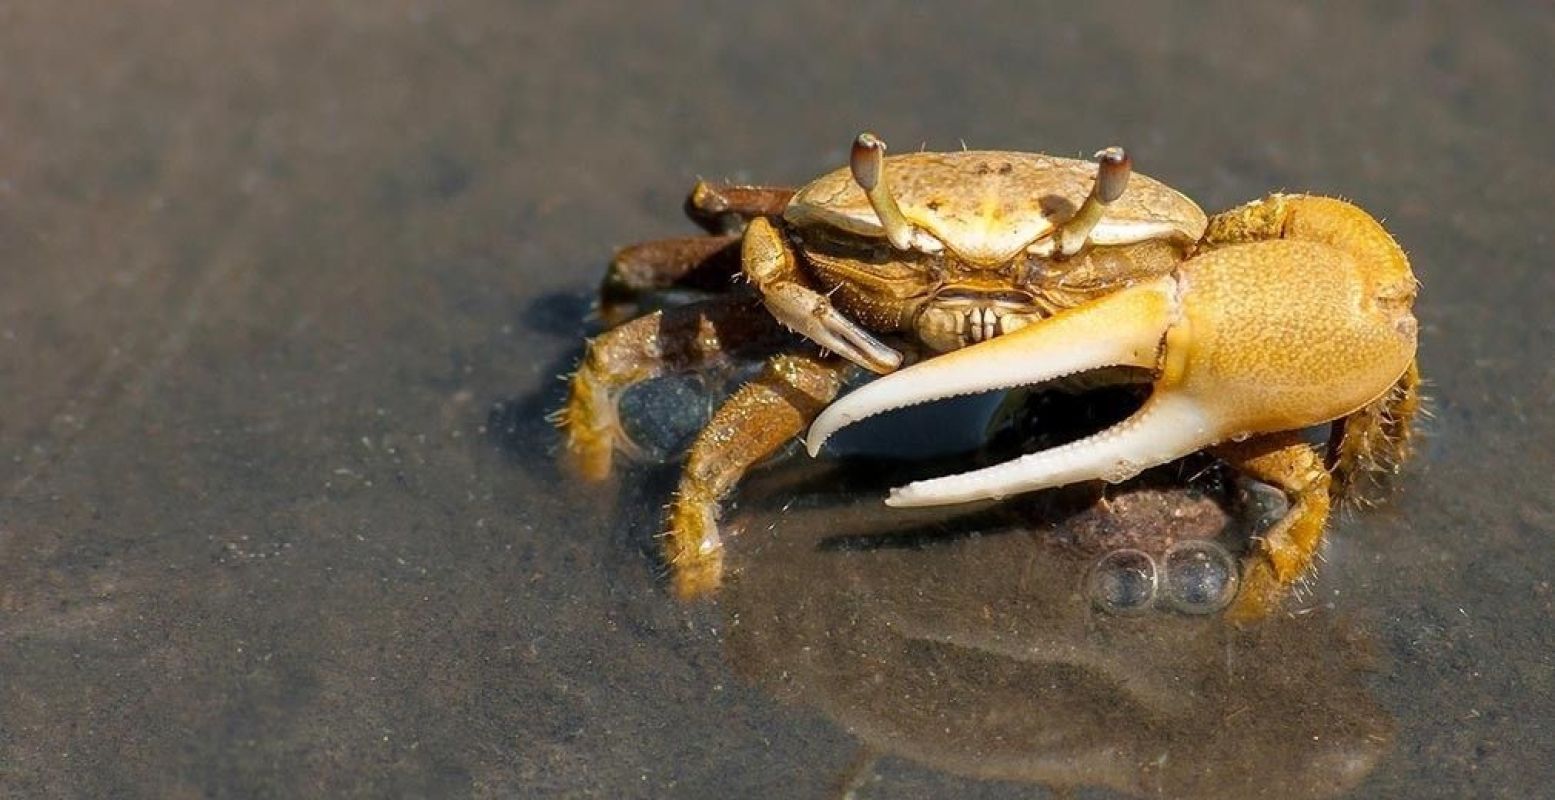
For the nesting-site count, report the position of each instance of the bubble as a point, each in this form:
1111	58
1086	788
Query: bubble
1198	577
1123	582
663	415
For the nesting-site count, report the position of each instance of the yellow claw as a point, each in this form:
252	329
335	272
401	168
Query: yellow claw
1251	336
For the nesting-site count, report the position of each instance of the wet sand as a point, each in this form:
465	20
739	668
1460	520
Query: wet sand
267	270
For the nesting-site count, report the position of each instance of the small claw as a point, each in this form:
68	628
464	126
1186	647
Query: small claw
769	263
1122	329
812	316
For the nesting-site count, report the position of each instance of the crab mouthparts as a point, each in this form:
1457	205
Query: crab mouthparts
1125	329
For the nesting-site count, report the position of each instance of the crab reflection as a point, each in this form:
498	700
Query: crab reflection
1013	644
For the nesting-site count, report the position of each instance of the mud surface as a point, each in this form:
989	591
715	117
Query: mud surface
285	288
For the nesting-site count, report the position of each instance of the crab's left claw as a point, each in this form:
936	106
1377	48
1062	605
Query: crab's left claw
1245	339
1124	329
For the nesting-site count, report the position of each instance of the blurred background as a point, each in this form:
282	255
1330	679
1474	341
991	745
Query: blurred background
285	289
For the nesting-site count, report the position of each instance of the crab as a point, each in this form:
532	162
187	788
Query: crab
964	272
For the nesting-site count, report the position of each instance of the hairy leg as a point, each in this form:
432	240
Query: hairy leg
1284	552
760	418
657	344
1370	446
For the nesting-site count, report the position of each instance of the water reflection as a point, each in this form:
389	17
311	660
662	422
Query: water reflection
974	644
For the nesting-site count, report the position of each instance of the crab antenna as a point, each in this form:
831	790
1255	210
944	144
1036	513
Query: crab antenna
868	165
1113	168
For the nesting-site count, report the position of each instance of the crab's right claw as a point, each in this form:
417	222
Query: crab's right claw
769	263
811	315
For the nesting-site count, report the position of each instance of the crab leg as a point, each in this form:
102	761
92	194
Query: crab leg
1249	338
1286	550
702	262
657	344
762	417
698	262
724	208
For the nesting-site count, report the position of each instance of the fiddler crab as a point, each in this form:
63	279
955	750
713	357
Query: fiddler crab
966	272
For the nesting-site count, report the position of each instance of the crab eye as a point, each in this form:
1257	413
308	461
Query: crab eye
1123	582
1200	577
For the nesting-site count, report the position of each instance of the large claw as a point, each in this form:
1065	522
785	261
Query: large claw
1246	339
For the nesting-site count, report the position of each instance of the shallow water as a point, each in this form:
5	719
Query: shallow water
284	289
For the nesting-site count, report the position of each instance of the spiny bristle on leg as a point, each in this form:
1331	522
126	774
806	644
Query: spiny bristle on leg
1370	446
589	421
692	548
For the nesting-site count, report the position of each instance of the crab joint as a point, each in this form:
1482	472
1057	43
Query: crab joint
1113	168
868	165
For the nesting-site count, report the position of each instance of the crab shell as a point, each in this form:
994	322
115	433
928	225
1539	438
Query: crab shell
988	206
